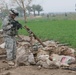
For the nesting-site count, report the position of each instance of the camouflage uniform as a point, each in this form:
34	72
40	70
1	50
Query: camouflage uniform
9	38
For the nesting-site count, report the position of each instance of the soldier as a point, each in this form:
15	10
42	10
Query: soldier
9	33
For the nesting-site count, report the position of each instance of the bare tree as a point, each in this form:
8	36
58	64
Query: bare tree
3	7
3	4
23	4
29	9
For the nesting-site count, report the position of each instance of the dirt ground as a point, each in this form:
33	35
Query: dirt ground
32	70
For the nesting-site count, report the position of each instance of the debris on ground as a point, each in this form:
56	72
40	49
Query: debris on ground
54	54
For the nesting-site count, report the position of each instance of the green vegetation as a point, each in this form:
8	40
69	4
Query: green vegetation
63	31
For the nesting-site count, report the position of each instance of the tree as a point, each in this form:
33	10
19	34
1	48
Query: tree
20	10
3	8
29	8
4	12
34	9
39	9
23	4
75	7
3	5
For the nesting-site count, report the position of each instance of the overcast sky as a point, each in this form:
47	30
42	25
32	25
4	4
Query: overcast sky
57	5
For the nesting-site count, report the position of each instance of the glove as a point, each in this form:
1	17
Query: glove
19	26
16	24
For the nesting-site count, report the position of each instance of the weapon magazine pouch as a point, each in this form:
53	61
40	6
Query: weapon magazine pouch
13	31
16	25
15	28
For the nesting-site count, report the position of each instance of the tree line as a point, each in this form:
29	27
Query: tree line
31	9
23	6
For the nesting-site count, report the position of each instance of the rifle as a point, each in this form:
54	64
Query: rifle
16	23
31	33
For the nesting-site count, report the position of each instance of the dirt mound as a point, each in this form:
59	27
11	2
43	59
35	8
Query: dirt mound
31	70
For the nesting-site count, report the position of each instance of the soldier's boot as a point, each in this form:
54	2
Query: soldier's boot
11	63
